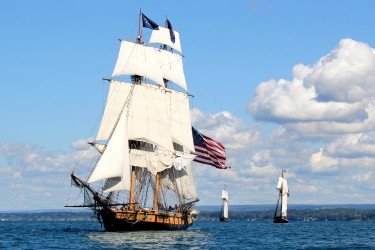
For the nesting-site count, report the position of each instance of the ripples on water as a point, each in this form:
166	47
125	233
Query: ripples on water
203	235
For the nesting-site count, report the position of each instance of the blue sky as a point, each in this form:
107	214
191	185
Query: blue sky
282	84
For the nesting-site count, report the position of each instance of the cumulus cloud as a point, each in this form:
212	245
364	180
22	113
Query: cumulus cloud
46	174
346	74
224	127
353	145
322	163
335	95
363	177
326	115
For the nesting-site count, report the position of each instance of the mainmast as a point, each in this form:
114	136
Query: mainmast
135	79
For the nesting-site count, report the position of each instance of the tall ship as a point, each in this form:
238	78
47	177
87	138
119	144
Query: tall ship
224	208
142	179
280	215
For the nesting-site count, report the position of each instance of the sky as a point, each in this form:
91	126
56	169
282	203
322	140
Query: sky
281	84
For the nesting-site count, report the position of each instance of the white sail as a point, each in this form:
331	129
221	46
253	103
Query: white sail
182	182
138	59
114	162
180	122
117	95
162	36
148	116
225	209
224	195
155	161
182	160
284	197
279	183
171	67
187	184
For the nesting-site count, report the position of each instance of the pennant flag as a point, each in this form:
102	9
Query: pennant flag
169	26
148	23
208	151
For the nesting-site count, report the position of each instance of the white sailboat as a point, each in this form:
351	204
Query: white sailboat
143	178
282	201
224	209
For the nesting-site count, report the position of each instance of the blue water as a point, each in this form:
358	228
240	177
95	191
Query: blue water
202	235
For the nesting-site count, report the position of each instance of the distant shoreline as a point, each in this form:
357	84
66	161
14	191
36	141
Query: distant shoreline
261	207
211	213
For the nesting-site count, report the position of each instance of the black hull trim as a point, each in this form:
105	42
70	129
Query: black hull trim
280	220
224	219
112	224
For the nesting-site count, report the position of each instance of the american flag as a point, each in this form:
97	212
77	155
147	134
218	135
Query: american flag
209	151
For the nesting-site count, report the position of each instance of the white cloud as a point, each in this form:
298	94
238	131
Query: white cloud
336	95
46	174
346	74
363	177
321	163
326	115
353	145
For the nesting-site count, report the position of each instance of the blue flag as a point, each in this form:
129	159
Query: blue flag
148	23
169	26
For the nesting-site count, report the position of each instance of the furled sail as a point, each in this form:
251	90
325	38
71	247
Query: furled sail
155	161
162	36
182	160
180	181
138	59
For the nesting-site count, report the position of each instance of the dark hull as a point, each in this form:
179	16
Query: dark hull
129	219
138	221
280	220
224	219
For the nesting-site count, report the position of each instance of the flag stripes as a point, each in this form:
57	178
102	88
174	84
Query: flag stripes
208	151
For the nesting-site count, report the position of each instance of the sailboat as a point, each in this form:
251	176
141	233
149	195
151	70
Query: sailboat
280	215
143	179
224	208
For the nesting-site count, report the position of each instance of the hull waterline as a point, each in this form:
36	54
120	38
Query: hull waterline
280	220
117	221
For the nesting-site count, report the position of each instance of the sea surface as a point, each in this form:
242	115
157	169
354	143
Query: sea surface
202	235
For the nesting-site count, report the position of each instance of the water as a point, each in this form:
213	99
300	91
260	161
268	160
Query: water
202	235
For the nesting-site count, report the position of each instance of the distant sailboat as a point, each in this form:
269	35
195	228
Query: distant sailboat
282	201
224	208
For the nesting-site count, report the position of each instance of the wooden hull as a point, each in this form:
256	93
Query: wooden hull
125	220
280	220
